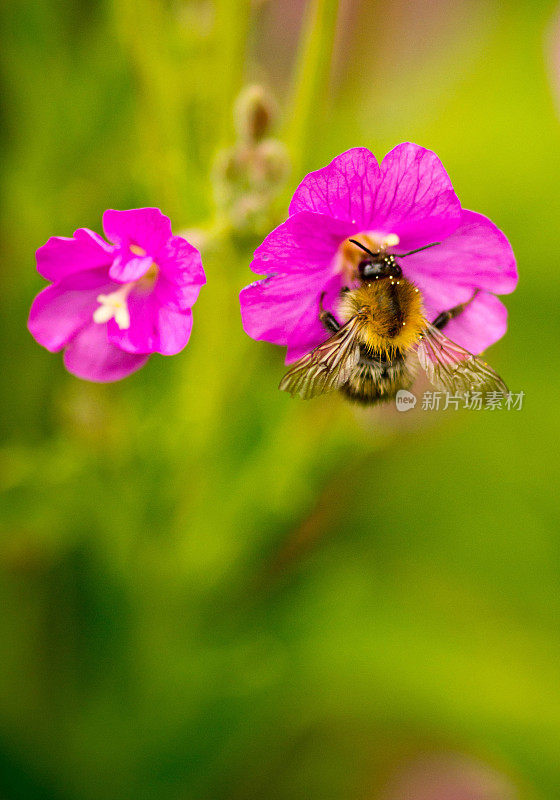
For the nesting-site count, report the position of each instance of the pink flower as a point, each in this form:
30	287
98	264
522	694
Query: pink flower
403	204
110	306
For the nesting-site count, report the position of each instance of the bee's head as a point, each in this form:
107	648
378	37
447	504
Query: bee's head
382	264
379	266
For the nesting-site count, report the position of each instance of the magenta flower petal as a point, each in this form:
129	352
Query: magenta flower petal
481	324
92	357
174	330
415	197
62	309
477	255
271	308
179	287
409	195
161	320
305	242
345	189
154	328
309	331
439	296
146	228
61	256
84	234
180	296
127	266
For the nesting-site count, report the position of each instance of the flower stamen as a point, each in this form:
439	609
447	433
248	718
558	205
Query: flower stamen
114	306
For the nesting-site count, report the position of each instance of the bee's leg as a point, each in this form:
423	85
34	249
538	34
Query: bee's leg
442	319
327	318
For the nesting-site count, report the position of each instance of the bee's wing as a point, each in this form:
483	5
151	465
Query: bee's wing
452	368
326	367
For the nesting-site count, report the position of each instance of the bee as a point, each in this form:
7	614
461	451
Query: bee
385	340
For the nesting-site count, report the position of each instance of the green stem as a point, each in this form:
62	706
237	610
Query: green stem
311	79
234	25
142	26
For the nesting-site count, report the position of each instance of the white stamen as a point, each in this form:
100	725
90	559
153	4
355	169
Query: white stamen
115	306
391	240
102	313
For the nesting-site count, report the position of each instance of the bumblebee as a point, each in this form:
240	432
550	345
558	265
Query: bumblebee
385	340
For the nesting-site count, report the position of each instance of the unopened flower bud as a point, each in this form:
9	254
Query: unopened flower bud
255	112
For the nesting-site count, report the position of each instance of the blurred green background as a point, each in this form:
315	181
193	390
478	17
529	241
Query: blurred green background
209	590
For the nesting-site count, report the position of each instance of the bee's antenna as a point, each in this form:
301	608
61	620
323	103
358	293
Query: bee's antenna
362	247
404	255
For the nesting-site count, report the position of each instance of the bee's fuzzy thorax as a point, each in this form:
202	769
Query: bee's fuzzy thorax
391	311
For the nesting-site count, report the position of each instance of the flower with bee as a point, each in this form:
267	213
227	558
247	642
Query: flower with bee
373	262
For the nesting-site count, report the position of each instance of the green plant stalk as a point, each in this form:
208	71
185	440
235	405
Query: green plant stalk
234	22
169	83
311	80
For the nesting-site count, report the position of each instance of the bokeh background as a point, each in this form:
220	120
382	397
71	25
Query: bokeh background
210	591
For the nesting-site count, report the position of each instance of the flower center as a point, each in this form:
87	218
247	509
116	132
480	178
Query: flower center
115	305
149	278
349	255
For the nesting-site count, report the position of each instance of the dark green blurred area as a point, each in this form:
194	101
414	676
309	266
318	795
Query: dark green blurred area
209	590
